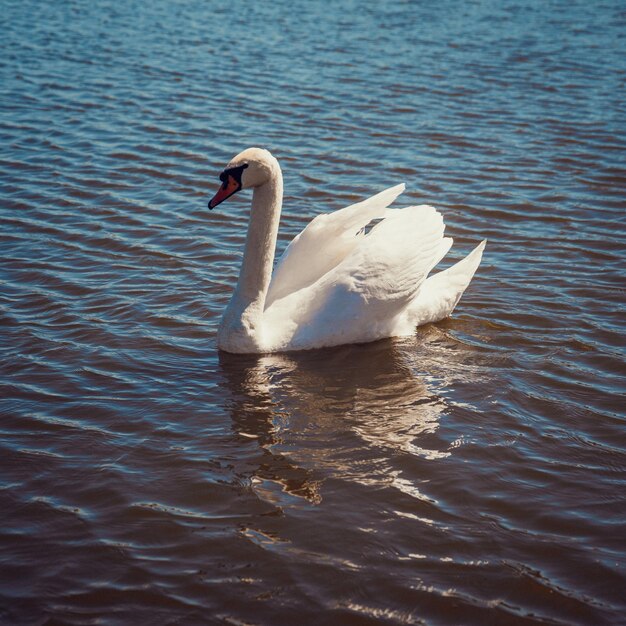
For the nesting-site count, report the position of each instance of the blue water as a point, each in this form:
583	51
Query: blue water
472	474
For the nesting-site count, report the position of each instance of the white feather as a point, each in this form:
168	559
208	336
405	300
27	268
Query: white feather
326	240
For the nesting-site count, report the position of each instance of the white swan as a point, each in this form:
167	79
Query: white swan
335	283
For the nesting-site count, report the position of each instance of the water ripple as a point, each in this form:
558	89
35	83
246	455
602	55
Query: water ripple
469	474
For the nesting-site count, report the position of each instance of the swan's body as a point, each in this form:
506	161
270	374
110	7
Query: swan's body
335	284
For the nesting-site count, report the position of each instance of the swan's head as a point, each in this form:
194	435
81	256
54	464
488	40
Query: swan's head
251	168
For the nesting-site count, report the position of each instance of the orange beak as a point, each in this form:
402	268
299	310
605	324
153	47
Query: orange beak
228	188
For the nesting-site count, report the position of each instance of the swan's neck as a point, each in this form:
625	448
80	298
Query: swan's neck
242	320
258	256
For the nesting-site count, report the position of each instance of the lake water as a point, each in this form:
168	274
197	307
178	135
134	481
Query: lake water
474	473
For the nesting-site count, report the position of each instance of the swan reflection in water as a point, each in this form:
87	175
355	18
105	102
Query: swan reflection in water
344	413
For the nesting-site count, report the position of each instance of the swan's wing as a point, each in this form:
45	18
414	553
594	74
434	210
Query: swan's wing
324	243
361	298
441	292
394	259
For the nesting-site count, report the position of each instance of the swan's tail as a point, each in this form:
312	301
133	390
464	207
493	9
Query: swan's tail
440	293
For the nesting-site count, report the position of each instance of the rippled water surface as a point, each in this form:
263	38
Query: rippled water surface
471	474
